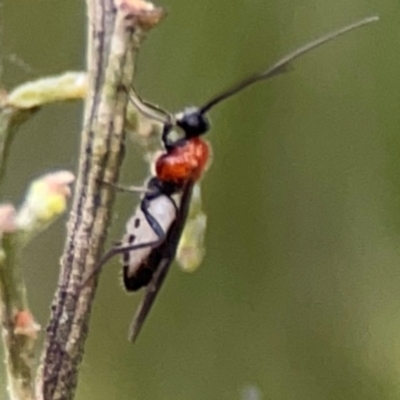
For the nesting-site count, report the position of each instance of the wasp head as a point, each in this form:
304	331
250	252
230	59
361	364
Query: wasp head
192	121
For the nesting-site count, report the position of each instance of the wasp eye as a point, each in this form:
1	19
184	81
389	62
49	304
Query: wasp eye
192	122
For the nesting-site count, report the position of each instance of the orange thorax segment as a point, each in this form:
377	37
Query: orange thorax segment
184	163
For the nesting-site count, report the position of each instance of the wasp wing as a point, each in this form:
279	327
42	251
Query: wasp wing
160	261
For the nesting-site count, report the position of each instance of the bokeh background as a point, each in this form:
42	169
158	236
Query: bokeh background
299	294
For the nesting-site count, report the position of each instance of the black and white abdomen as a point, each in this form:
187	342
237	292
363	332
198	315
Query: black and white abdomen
147	229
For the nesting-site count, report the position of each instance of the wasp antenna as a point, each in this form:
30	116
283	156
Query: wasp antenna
285	62
149	110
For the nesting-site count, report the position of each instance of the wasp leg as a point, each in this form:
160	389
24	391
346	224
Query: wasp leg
149	110
131	247
158	230
120	250
168	144
130	188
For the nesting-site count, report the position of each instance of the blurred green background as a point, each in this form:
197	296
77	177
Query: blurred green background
299	294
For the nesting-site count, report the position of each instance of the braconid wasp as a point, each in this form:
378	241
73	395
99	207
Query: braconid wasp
153	233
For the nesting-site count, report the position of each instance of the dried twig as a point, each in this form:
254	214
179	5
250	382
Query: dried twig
115	33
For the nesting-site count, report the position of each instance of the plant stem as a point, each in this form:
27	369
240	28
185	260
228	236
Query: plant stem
115	33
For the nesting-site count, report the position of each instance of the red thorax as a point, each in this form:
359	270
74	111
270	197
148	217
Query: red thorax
184	163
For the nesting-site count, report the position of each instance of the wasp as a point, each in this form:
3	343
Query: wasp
152	235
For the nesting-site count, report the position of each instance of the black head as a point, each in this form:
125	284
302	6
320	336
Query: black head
192	121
